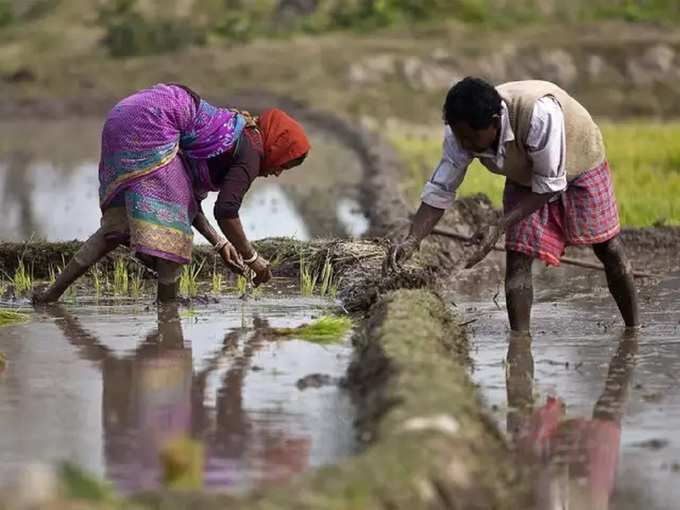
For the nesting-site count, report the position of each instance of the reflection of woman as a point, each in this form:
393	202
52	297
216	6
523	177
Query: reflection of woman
146	398
577	457
163	150
155	396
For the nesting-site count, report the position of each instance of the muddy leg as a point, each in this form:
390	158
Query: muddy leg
620	279
519	290
90	252
168	280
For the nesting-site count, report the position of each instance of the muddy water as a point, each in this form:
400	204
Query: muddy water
109	387
614	423
48	187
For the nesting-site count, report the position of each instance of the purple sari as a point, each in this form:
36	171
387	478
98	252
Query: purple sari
153	167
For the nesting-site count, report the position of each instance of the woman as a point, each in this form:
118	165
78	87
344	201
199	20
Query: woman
163	150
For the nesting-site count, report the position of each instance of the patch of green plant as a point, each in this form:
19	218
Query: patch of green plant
6	13
241	285
120	277
327	286
11	317
644	157
96	278
216	280
129	33
137	282
188	280
77	484
22	279
308	277
326	329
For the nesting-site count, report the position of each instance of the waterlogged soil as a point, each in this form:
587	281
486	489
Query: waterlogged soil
614	424
108	387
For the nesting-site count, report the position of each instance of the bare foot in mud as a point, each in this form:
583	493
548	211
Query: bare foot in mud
41	296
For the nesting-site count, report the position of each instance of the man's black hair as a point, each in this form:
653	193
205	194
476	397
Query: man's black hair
473	101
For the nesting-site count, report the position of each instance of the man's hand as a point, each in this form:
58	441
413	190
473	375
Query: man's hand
262	270
400	253
232	259
486	238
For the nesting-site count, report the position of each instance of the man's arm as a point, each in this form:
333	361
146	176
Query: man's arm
438	195
546	146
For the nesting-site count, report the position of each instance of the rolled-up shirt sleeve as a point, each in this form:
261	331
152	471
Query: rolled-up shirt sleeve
440	190
546	145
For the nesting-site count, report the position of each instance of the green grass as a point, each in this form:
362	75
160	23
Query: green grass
326	329
216	280
22	279
137	283
120	277
644	157
11	317
96	277
308	278
188	280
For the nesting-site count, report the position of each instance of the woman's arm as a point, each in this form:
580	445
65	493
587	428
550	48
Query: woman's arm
225	249
233	229
204	227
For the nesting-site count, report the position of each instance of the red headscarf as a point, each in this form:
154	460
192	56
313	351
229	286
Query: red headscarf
283	138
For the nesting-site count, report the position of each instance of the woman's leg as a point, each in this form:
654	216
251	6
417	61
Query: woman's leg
168	280
89	253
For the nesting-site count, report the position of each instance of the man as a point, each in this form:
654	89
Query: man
558	188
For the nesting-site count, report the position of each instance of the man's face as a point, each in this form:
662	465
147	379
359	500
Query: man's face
476	140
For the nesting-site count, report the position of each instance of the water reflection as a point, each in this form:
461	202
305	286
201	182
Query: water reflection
575	458
156	395
48	186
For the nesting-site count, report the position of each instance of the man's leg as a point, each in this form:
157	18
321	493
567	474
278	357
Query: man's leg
519	290
168	280
90	252
620	279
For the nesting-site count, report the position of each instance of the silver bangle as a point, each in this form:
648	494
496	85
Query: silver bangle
251	259
220	244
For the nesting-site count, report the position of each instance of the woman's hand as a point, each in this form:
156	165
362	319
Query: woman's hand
231	258
262	270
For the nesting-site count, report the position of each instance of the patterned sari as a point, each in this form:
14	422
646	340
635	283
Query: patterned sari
153	168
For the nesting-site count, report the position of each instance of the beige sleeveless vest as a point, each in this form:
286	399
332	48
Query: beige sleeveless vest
584	145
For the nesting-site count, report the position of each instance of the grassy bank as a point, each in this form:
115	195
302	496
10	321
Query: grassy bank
644	157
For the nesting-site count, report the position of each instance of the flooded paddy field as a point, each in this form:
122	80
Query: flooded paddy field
107	387
617	396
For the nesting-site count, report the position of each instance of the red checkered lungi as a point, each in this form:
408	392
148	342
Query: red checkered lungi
585	213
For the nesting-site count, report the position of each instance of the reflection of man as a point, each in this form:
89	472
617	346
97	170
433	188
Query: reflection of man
575	458
558	188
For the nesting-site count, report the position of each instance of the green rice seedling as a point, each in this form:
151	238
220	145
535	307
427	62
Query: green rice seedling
52	274
326	329
241	285
137	283
96	277
188	280
22	280
216	279
120	277
326	278
308	278
11	317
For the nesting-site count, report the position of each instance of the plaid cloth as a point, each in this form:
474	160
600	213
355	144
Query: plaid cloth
585	213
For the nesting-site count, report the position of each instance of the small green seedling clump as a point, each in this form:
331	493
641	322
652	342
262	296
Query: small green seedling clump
11	317
326	329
